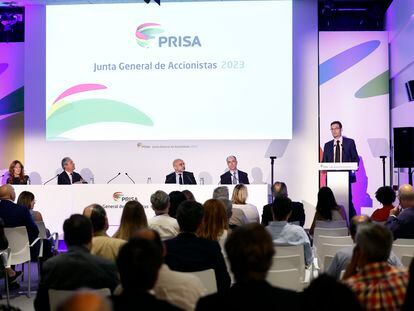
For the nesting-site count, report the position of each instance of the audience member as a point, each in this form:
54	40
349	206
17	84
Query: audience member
284	233
401	220
176	197
239	199
250	251
77	268
386	196
214	225
221	192
180	289
327	208
189	253
139	262
27	199
102	245
235	217
166	225
343	257
85	300
326	294
189	195
279	189
133	218
409	295
377	285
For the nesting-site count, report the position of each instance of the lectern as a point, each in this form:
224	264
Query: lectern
337	178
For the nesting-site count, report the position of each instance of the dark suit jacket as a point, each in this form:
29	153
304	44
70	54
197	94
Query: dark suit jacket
15	215
72	270
252	296
226	178
402	227
349	153
140	301
63	178
189	253
188	178
298	214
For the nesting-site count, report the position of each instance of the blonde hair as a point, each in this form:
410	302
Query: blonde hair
239	194
133	218
214	220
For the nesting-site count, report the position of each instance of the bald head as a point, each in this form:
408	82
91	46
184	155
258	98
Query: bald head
406	196
179	165
7	192
85	301
356	221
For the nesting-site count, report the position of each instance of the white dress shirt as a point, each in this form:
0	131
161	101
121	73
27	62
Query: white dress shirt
232	176
177	177
70	177
166	226
340	148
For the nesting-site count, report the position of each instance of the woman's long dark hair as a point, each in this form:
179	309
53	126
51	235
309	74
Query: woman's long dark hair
326	203
11	172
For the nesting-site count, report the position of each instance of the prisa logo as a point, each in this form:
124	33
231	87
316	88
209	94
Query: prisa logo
146	35
120	197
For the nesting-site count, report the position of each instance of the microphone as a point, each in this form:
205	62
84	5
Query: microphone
50	179
113	178
29	181
130	178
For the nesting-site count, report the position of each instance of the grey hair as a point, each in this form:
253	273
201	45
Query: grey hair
160	200
282	189
228	205
374	241
65	160
221	192
231	156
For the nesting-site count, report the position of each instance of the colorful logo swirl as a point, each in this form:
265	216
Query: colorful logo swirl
118	196
146	33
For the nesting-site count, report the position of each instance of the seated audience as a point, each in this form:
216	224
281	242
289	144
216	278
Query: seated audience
77	268
386	196
377	285
133	218
102	244
279	189
409	296
189	195
176	197
250	251
239	199
401	220
326	294
214	225
27	199
343	257
284	233
16	174
235	217
12	275
166	226
85	300
188	253
326	208
139	262
180	289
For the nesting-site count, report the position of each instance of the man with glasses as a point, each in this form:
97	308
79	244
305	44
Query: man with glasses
180	175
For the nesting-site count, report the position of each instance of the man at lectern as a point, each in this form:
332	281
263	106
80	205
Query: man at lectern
180	176
233	176
69	176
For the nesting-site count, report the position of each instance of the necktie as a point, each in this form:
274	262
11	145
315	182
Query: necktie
234	179
337	152
71	178
180	179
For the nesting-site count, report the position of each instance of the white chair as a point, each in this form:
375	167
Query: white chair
19	249
340	231
288	279
331	224
404	242
335	240
292	250
208	279
228	266
326	253
5	254
406	260
403	250
57	297
54	237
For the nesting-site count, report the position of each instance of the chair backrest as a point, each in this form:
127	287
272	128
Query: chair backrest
18	244
292	250
57	297
208	279
340	231
331	224
326	252
406	260
403	250
335	240
287	263
288	279
42	230
404	242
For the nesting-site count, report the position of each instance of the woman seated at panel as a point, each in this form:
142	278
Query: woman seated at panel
326	208
16	174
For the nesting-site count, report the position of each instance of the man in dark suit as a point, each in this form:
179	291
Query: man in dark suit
69	176
188	253
180	176
233	176
279	189
250	251
77	268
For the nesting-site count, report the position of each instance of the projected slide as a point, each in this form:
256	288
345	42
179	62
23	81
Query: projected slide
182	70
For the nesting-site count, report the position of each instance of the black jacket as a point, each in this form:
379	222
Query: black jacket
226	178
140	301
188	178
298	214
63	178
